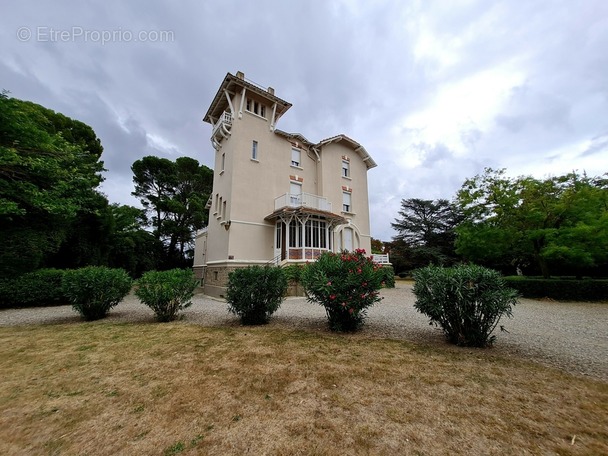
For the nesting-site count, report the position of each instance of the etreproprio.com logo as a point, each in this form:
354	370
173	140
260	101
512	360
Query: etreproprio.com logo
80	34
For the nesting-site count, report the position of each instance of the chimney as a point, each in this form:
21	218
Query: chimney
270	90
240	75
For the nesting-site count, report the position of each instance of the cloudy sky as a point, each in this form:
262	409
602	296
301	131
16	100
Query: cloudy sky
434	90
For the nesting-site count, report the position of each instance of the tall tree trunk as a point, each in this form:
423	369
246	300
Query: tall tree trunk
542	263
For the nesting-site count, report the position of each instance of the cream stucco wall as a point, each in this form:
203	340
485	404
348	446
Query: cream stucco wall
238	233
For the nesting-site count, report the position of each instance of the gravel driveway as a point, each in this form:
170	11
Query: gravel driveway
570	336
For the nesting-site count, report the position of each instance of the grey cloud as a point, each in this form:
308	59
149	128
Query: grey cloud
598	144
347	67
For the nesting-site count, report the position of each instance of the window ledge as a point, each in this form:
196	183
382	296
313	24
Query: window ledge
256	115
297	167
348	213
347	177
255	160
221	172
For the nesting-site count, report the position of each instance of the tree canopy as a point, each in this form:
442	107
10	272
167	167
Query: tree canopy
553	224
174	193
425	232
49	170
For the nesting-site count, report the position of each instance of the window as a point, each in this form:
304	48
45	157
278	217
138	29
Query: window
315	234
224	210
347	239
296	156
254	150
345	168
295	194
256	107
346	202
295	234
312	234
279	235
223	162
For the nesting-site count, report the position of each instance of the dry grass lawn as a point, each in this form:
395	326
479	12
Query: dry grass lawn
101	388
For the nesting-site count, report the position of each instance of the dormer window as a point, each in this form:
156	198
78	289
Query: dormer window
256	107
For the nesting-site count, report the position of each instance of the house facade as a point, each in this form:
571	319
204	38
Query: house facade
277	197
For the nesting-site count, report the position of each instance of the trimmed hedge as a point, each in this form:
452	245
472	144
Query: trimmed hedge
466	301
387	273
94	290
255	293
166	292
38	288
560	289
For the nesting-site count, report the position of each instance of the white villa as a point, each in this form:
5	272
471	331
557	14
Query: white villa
277	197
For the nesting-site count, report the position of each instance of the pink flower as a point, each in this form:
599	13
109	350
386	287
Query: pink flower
351	310
329	283
343	304
332	297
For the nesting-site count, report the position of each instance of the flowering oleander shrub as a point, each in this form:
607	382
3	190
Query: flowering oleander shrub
466	301
346	284
255	293
166	292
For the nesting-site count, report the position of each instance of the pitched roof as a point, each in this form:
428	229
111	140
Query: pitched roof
296	136
369	161
234	84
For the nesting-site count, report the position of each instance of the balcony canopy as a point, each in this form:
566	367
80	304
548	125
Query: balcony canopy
289	206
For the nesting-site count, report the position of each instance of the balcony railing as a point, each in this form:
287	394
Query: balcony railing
302	200
380	258
221	129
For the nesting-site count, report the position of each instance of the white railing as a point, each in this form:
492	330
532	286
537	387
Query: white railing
225	118
380	258
302	200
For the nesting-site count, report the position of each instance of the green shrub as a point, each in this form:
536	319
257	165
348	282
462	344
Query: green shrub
166	292
38	288
94	290
560	289
255	293
294	272
387	273
467	302
346	284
